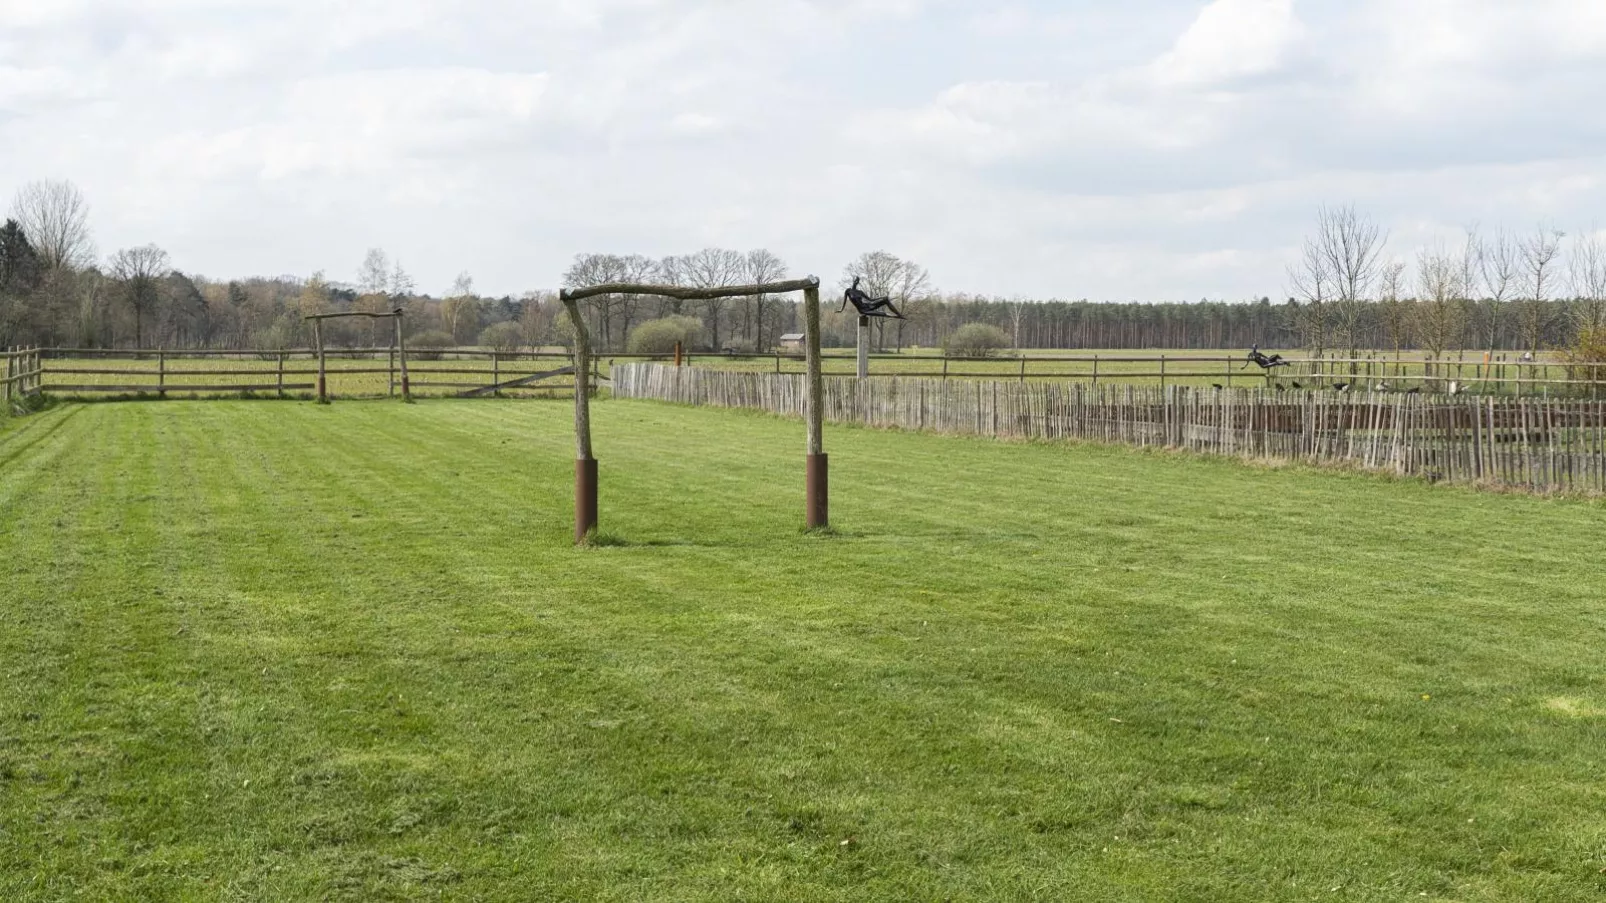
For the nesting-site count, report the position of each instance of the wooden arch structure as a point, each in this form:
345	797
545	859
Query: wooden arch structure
401	347
817	504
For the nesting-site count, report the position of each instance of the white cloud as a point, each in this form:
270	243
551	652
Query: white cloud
1171	149
1231	39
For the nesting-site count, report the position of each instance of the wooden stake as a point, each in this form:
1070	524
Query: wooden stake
863	369
585	466
401	358
817	480
317	337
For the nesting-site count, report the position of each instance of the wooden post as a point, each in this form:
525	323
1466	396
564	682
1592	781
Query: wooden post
817	477
281	373
401	358
390	368
161	374
1095	369
678	353
496	372
585	463
317	339
11	367
1023	368
863	370
1162	373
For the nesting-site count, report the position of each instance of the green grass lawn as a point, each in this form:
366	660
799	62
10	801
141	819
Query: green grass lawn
278	651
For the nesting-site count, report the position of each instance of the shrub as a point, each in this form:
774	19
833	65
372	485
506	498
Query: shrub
1587	355
427	345
504	336
660	336
976	340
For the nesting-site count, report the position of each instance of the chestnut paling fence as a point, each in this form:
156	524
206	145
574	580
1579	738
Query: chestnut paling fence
1540	444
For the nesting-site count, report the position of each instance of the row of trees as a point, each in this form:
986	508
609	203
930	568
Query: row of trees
1489	292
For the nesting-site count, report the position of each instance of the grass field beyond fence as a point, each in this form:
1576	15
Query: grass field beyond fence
296	652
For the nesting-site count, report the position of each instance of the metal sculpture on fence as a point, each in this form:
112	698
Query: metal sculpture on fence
866	305
1266	362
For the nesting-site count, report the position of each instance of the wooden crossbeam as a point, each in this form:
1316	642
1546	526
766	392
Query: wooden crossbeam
515	383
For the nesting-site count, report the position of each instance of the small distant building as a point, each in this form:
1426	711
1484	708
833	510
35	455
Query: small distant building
793	341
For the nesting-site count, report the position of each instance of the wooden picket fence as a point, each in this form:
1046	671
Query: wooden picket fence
1539	444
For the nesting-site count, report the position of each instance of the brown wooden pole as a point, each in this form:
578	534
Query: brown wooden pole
161	374
677	354
317	338
401	358
585	463
862	370
817	500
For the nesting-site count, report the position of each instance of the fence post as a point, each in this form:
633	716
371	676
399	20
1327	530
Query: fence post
317	336
281	372
390	368
401	358
1162	373
9	368
161	373
1023	368
863	369
1095	369
496	372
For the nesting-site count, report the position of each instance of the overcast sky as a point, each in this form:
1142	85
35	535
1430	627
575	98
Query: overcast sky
1150	149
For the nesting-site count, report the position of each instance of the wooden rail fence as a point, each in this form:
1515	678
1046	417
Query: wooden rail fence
24	374
366	372
1540	444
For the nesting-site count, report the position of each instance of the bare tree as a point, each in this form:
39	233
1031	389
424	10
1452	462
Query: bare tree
537	316
1393	311
1501	268
1539	262
1312	280
711	268
627	308
460	310
55	217
1353	246
672	271
140	271
1440	304
373	277
1587	278
761	266
596	269
402	284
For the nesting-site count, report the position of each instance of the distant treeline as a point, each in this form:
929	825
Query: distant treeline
1500	294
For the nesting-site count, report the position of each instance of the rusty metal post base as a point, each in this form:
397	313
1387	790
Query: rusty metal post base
585	498
818	501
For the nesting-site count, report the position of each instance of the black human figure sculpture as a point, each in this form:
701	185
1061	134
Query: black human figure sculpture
1266	363
866	305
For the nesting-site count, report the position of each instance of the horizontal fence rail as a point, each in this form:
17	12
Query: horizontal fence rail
351	374
373	372
1539	444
